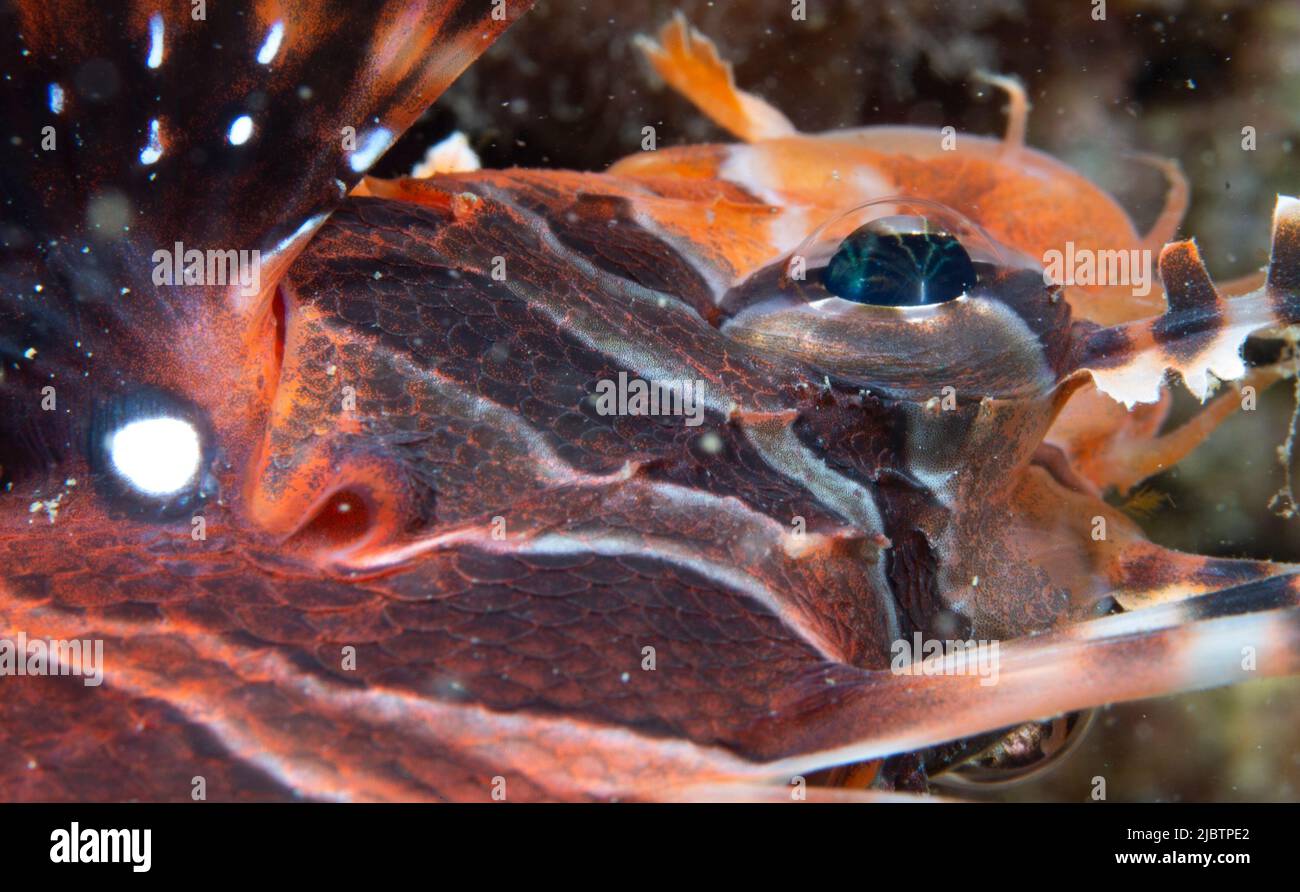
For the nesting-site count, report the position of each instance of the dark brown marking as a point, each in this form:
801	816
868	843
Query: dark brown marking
1195	312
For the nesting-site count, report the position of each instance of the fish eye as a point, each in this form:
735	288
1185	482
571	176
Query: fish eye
882	265
150	451
1021	753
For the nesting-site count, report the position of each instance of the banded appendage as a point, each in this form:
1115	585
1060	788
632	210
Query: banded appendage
436	563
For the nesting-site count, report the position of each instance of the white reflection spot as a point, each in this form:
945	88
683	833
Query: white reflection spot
372	146
155	41
152	152
240	130
157	456
271	45
56	99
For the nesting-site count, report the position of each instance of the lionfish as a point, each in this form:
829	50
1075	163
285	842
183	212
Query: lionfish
315	459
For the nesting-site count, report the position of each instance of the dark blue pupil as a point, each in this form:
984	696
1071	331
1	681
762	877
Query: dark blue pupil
892	269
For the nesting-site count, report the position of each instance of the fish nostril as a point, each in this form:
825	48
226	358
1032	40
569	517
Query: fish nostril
278	323
345	519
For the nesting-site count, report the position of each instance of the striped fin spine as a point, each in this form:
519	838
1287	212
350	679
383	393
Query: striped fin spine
1201	333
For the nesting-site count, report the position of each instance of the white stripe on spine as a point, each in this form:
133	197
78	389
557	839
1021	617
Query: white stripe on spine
1139	379
677	554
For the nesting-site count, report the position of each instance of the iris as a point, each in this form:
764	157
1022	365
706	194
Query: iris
898	269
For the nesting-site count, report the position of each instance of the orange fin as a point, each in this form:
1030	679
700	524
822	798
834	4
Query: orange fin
689	63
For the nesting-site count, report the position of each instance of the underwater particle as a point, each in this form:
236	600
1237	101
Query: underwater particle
109	213
710	443
271	45
153	151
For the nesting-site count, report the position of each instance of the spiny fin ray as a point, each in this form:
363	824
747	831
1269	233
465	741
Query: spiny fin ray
1201	334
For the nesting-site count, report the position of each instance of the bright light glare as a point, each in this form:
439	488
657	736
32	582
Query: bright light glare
272	44
240	130
157	456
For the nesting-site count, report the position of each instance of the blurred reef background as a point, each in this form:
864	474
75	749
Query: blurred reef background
565	88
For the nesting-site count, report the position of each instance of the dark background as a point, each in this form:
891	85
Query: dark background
565	88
